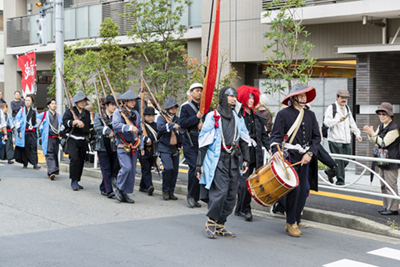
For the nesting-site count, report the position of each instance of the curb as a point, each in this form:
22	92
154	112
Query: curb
316	215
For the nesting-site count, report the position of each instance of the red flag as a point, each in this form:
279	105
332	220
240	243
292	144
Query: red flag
27	64
211	75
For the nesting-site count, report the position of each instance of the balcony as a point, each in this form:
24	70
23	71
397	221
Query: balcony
83	22
330	11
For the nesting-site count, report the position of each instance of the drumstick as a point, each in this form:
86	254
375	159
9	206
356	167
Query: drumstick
295	164
283	161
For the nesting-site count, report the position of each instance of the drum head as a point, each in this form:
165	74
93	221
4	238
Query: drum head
278	168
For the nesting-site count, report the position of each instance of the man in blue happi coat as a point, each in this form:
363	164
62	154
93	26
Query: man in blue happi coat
51	126
127	130
169	145
221	136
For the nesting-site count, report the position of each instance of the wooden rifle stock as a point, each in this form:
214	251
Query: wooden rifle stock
98	102
68	96
142	108
127	120
102	84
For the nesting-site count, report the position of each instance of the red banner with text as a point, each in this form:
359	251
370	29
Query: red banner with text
27	64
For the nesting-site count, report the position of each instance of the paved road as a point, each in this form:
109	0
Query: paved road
45	223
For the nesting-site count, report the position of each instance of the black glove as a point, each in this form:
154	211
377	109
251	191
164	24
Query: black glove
198	170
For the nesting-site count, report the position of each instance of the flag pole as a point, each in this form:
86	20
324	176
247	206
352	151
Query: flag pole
209	36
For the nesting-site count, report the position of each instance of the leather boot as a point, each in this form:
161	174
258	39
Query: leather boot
165	195
293	230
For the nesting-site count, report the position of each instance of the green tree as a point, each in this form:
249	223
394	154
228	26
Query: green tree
157	31
287	50
82	59
196	74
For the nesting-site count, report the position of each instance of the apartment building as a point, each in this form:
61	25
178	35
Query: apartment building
355	42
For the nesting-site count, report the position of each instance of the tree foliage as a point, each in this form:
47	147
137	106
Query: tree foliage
157	30
287	50
196	74
82	59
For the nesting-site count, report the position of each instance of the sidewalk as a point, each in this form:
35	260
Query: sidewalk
321	216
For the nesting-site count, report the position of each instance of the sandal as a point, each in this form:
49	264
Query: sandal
210	229
220	230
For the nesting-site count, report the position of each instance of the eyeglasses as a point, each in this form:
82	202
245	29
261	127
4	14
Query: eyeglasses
382	114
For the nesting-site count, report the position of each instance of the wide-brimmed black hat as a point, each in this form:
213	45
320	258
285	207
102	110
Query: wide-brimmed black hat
298	90
109	99
149	111
79	96
169	103
129	95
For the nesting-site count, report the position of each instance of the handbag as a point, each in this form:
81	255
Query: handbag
380	153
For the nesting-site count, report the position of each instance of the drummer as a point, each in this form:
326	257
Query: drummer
301	127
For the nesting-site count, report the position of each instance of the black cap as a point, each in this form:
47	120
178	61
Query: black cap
149	111
109	99
49	101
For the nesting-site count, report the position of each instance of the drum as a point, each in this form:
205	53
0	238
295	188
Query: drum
270	182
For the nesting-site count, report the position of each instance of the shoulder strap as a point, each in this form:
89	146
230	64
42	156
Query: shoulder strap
44	116
293	131
193	107
334	111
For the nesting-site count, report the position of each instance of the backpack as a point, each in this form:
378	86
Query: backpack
325	128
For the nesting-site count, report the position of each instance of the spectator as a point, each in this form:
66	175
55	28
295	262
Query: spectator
340	123
16	104
264	112
387	137
1	99
7	151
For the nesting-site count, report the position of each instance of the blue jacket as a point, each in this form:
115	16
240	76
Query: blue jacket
211	137
164	134
122	129
20	124
45	128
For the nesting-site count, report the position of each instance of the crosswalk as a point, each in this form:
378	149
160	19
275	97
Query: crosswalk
382	252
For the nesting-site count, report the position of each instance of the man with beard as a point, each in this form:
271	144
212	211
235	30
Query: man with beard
300	126
50	130
77	131
190	120
218	162
106	146
169	146
249	97
128	144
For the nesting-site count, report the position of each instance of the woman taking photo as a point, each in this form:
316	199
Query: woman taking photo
26	139
387	137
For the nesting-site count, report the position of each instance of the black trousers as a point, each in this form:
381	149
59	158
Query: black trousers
28	154
7	150
190	153
243	195
146	162
77	152
222	193
52	156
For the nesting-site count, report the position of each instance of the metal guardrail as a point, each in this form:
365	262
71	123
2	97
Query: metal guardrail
353	159
265	3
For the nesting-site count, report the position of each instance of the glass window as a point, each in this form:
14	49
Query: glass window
195	13
49	24
68	3
1	21
34	30
82	29
2	46
95	20
69	24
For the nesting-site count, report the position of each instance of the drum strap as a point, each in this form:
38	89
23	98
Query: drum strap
295	127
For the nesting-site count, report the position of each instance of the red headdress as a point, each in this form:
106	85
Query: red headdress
244	92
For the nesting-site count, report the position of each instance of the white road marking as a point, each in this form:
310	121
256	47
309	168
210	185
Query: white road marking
387	252
348	263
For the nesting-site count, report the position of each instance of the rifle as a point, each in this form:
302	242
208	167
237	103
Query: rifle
127	120
68	96
102	84
142	107
98	102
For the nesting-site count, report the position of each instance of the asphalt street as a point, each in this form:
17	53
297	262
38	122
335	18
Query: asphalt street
45	223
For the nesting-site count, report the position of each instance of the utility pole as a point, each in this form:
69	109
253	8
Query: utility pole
58	7
59	28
